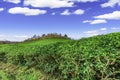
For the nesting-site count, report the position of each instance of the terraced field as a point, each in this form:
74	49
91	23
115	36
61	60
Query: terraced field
94	58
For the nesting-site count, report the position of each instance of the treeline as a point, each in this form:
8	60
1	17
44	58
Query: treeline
37	37
45	36
7	42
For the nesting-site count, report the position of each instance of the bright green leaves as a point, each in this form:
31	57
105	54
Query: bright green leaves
94	58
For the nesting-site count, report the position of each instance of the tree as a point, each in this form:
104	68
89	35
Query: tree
43	35
35	36
65	36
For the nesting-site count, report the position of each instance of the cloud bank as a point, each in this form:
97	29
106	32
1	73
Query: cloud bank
13	1
95	21
111	3
110	16
26	11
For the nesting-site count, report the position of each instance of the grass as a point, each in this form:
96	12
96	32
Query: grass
94	58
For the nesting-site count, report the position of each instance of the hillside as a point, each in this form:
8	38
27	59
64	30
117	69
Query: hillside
94	58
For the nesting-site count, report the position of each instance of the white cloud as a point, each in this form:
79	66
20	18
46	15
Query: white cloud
1	35
115	28
1	9
96	32
13	1
102	18
87	0
49	3
13	37
103	29
21	36
79	12
95	21
76	12
84	0
87	21
98	21
111	3
111	16
66	12
53	13
91	33
54	3
26	11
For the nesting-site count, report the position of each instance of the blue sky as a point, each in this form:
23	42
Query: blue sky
20	19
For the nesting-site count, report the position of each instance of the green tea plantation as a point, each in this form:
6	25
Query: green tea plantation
93	58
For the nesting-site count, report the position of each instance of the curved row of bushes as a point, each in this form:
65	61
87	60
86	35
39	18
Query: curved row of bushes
95	58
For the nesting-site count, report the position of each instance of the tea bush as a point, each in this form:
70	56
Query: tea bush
94	58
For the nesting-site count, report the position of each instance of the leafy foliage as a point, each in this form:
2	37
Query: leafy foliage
94	58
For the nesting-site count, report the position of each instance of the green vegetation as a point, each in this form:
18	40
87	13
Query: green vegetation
94	58
15	72
47	36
